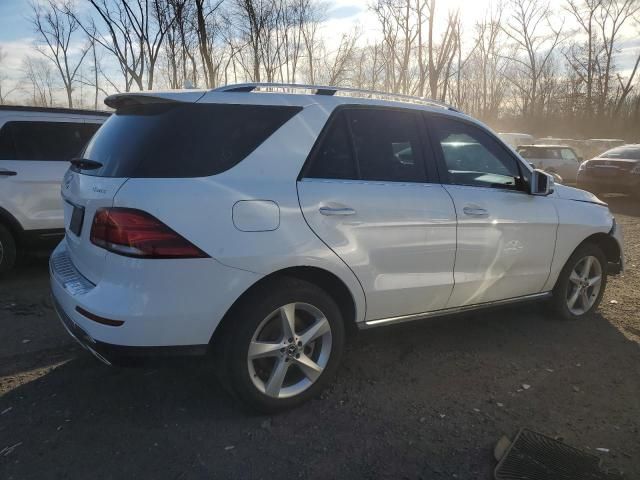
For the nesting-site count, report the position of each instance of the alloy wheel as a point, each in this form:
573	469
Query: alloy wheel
584	285
289	350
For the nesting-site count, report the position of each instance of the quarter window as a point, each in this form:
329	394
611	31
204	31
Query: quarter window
334	158
473	157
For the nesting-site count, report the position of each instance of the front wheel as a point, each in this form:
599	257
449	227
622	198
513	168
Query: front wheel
282	345
581	283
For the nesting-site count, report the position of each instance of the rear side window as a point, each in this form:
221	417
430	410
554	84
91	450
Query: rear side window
387	145
370	144
55	141
173	140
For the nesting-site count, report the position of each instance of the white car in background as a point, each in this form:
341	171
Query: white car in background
559	159
260	222
36	145
516	139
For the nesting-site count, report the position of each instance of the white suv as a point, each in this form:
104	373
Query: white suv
264	222
36	145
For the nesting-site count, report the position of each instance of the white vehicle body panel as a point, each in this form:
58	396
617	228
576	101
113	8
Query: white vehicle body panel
32	196
400	241
407	249
505	244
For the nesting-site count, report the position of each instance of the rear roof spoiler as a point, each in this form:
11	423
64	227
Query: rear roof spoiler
120	100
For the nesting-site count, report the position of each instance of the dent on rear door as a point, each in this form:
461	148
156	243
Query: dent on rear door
399	240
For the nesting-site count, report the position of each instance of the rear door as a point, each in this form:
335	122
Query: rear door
34	157
505	237
366	193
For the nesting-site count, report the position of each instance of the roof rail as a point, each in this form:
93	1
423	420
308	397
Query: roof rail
329	90
81	111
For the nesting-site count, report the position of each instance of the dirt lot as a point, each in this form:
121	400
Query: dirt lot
424	400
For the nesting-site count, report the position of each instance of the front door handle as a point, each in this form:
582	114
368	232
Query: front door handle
7	173
328	211
475	211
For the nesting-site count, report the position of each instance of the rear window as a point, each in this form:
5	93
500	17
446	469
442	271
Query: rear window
624	153
181	139
44	141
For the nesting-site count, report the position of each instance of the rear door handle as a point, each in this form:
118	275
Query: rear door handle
7	173
328	211
475	211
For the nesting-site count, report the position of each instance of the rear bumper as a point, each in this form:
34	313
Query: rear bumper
108	353
161	307
609	184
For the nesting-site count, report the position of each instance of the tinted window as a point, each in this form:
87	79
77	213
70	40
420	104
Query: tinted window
621	152
181	139
473	157
7	149
334	158
58	141
387	145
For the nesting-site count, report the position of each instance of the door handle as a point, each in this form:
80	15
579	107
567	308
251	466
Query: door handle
342	211
475	211
7	173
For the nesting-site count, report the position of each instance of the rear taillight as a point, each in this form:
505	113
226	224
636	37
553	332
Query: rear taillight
135	233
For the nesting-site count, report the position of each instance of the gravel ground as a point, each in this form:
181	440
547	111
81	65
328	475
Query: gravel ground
423	400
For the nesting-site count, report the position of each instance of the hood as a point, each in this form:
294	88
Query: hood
570	193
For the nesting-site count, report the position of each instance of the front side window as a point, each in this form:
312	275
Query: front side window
567	154
472	157
55	141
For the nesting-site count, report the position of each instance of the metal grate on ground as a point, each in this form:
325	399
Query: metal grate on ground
533	456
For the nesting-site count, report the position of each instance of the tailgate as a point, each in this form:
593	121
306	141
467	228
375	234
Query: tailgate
83	195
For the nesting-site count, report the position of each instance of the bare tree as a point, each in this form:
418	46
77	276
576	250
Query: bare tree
536	38
614	14
4	90
39	81
584	12
56	26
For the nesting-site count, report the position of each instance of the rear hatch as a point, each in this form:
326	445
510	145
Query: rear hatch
165	136
85	190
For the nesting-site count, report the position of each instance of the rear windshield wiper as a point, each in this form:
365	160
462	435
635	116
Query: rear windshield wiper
85	163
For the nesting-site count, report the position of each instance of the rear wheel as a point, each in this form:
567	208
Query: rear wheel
282	345
7	250
581	283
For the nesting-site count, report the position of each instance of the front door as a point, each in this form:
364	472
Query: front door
506	237
366	194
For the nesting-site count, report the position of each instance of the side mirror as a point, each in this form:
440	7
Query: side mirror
580	158
541	183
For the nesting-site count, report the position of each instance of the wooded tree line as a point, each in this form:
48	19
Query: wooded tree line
527	65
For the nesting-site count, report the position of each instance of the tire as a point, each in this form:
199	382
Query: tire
572	279
260	318
7	250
